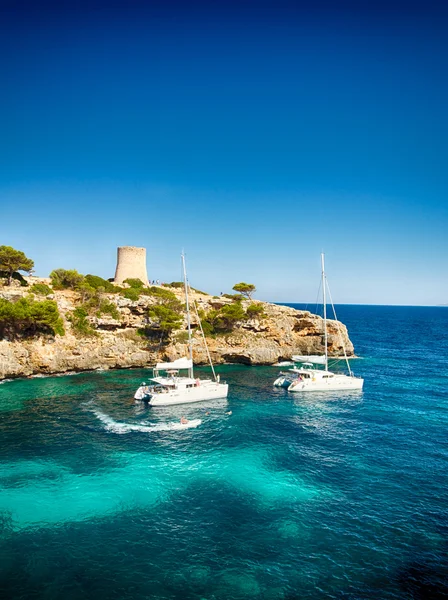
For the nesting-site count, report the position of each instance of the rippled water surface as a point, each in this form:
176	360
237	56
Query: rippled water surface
289	497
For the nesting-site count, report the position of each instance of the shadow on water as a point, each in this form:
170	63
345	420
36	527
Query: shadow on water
426	578
189	553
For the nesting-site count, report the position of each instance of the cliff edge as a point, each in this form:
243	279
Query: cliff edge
118	342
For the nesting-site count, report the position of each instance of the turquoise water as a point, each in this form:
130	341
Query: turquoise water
289	497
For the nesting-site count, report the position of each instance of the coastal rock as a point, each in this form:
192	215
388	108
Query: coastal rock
281	333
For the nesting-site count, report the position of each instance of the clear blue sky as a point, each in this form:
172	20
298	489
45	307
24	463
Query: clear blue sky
253	135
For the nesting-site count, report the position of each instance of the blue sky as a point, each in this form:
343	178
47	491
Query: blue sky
253	135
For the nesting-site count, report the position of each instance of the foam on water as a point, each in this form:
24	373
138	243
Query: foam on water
122	428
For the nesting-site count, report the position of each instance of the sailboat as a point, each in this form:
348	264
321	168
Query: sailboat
169	386
308	378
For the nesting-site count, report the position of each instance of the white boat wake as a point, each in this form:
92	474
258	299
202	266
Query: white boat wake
122	428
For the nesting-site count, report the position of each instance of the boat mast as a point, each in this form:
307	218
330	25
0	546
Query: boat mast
324	300
190	343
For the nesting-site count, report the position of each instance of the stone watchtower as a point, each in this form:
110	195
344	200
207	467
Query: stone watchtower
131	264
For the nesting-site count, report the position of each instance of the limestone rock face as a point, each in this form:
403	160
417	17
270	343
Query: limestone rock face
279	335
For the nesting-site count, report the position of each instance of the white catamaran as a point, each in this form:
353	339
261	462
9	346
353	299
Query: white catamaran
168	387
307	378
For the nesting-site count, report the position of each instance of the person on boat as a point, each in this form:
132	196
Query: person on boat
183	420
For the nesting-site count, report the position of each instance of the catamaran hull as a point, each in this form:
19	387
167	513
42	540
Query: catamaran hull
212	391
282	382
336	383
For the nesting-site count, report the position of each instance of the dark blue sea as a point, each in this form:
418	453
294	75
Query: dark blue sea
291	497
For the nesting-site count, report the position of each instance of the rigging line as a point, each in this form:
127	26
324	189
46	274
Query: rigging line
190	343
317	304
339	329
324	302
203	336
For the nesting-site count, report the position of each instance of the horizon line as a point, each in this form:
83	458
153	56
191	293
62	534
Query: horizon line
363	304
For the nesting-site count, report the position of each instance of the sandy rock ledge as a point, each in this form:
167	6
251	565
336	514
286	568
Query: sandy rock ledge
283	332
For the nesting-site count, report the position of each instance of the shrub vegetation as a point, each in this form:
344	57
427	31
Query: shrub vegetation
103	285
247	289
41	288
28	318
161	293
255	311
131	294
174	284
180	284
222	320
87	291
164	320
95	305
107	308
63	279
15	276
12	260
182	337
80	324
234	297
136	284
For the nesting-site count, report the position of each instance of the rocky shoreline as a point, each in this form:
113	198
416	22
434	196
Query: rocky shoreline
280	333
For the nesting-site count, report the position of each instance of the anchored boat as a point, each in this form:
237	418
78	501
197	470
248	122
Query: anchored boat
168	386
309	378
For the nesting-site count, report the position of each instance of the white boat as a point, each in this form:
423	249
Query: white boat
285	378
169	387
308	378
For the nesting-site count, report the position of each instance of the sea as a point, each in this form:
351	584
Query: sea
290	497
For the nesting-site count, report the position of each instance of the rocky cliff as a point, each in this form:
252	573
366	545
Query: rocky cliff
282	332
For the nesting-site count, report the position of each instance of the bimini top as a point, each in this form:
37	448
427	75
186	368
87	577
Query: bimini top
312	358
180	363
